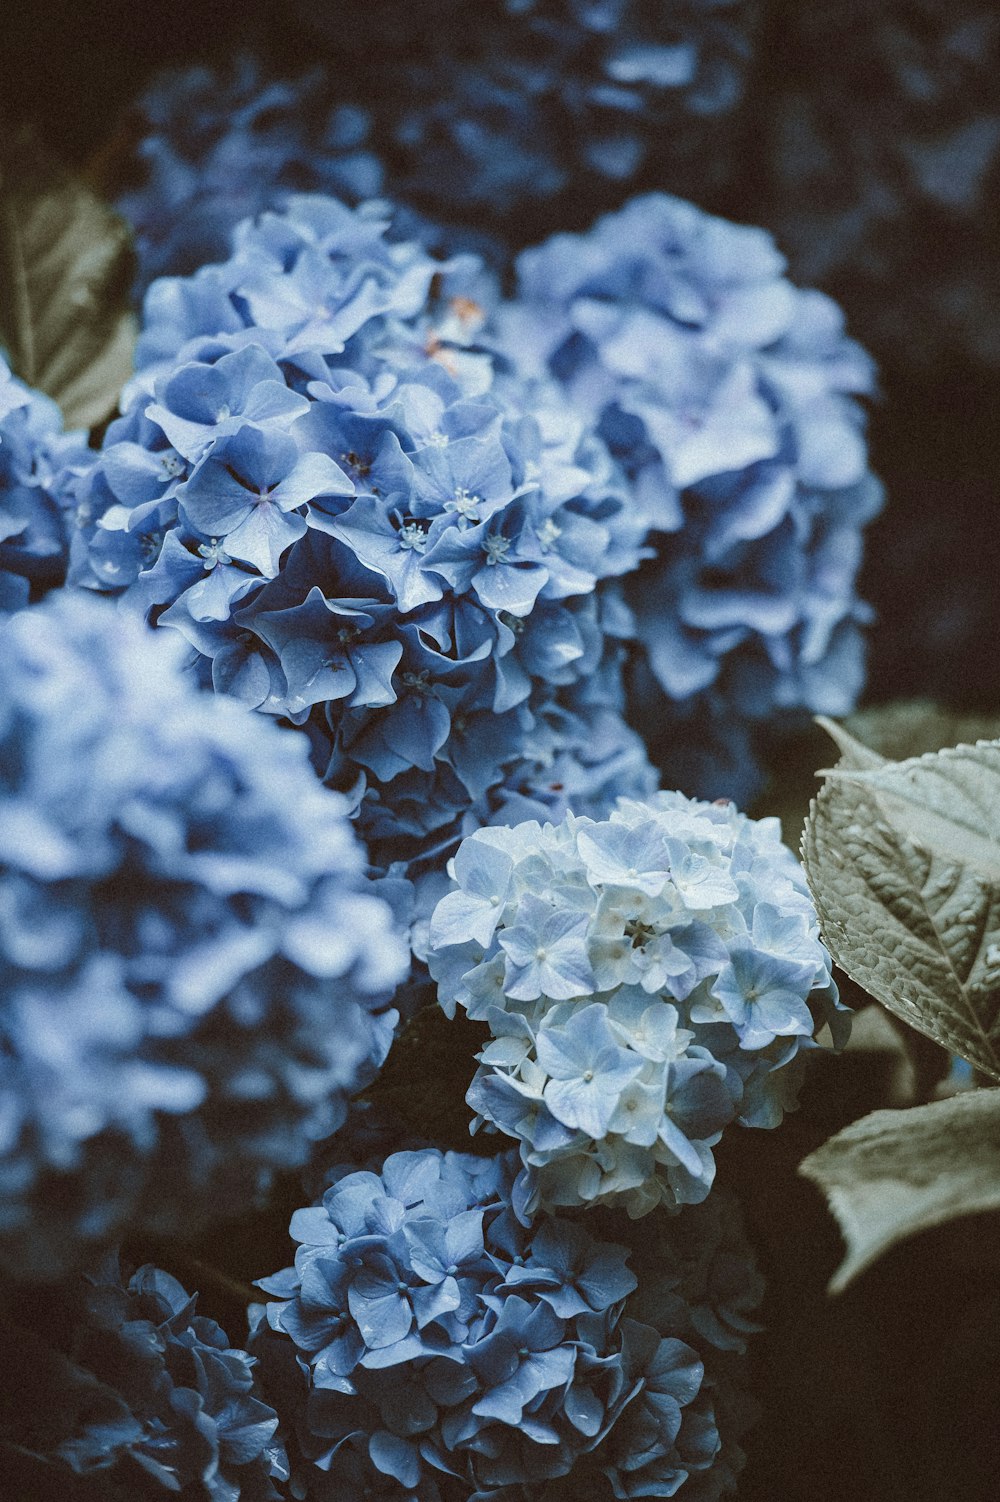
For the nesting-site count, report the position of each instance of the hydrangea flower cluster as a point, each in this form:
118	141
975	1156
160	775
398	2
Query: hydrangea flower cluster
442	1348
218	147
144	1395
646	979
316	484
33	448
890	204
729	397
194	976
533	103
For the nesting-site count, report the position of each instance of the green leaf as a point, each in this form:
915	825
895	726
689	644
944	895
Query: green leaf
854	754
903	860
911	727
895	1173
65	272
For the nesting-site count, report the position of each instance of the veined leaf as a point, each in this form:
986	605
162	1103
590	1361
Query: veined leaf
65	273
903	860
895	1173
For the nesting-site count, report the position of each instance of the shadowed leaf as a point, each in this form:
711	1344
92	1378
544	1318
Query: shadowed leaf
65	273
895	1173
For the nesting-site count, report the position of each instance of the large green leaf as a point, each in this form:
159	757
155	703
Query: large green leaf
65	273
895	1173
903	860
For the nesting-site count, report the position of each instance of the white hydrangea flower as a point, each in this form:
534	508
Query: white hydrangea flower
646	980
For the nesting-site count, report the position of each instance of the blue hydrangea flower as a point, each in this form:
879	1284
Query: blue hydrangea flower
139	1392
33	449
219	146
194	974
729	396
429	1345
646	979
317	482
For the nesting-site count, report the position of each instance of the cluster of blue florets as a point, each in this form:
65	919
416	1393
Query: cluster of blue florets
194	976
442	1348
33	449
646	980
315	482
134	1391
729	397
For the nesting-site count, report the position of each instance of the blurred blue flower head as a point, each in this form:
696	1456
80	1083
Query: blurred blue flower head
217	146
33	449
646	980
195	974
522	103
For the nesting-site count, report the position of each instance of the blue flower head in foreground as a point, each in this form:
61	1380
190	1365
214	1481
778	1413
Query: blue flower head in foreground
729	396
194	976
33	448
318	484
427	1345
143	1396
219	146
646	979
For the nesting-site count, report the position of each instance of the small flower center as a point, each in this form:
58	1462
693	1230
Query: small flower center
355	462
213	553
466	504
496	548
150	544
413	537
